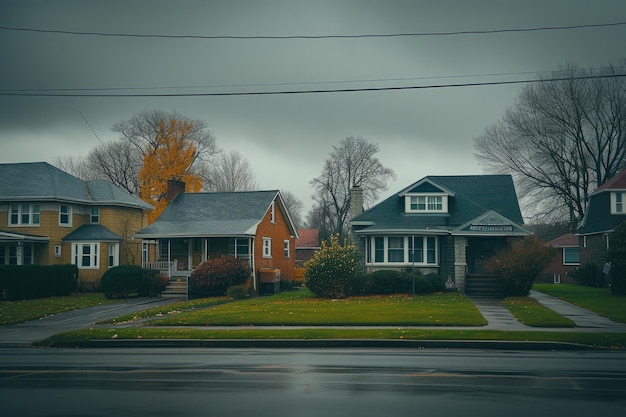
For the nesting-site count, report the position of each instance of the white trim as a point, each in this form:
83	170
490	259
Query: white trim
69	215
267	247
94	254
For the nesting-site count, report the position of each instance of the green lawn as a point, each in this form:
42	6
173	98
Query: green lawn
302	308
602	340
530	312
12	312
598	300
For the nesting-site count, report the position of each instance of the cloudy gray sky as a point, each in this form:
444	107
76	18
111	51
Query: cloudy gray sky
287	137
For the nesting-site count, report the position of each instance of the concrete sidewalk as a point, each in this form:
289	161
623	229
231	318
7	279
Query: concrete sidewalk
498	317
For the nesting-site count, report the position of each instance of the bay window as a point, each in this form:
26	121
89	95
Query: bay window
406	250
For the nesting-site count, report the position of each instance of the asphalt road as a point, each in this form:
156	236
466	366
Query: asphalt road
310	382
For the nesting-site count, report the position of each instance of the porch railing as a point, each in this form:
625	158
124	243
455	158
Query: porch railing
163	266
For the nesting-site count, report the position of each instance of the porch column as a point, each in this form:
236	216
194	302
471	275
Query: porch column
460	262
19	253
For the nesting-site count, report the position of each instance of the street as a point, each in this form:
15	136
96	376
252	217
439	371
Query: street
310	382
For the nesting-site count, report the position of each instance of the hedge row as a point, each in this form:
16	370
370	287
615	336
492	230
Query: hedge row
125	280
21	282
394	282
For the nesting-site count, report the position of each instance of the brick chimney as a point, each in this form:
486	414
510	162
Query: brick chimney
174	187
356	201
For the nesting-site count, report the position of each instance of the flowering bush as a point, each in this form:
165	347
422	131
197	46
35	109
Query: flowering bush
214	276
516	268
331	268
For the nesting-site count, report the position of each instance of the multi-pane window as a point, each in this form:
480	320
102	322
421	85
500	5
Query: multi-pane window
65	215
24	215
273	213
95	215
85	255
617	206
286	249
426	203
395	249
267	247
114	250
403	250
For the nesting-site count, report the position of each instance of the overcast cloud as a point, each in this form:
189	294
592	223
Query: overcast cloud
286	138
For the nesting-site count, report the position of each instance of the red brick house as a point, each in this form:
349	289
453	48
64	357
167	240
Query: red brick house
566	260
252	225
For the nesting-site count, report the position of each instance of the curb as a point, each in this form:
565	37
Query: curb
327	343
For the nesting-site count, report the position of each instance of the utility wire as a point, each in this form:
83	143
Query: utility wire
280	37
287	92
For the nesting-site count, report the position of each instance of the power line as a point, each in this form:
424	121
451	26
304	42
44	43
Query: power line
318	82
288	92
335	36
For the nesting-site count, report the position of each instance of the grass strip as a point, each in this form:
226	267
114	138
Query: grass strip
167	310
70	339
12	312
598	300
301	308
532	313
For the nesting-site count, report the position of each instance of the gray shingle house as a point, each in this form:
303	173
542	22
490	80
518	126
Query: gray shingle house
606	209
443	224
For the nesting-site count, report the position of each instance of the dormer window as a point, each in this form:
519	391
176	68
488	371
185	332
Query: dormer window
618	199
426	203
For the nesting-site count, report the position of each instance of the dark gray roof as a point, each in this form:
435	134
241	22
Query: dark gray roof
470	197
40	181
211	214
598	217
92	233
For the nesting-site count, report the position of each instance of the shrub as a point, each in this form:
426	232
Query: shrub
331	268
617	258
394	282
588	275
19	282
213	276
516	268
124	280
288	284
238	292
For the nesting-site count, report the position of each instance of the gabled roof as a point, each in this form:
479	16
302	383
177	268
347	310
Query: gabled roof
214	214
470	197
40	181
617	182
568	240
598	217
93	233
308	239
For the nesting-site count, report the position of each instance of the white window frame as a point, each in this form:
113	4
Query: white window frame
429	201
94	255
19	210
273	212
406	242
286	249
618	202
95	216
113	258
267	247
69	215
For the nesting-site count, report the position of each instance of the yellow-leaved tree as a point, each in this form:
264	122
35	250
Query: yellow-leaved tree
172	158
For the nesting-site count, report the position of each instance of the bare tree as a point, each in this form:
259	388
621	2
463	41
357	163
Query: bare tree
560	140
352	163
144	129
118	162
294	205
228	171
